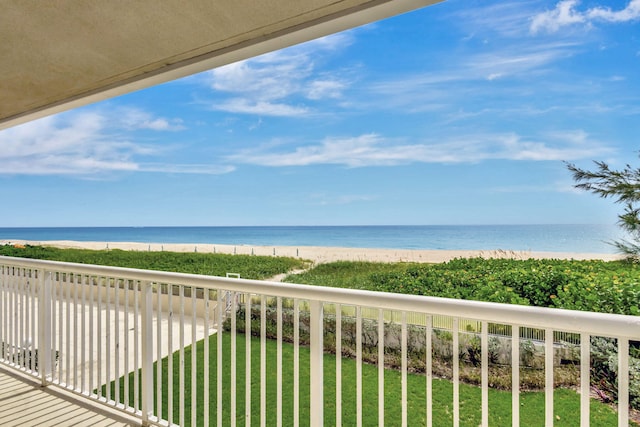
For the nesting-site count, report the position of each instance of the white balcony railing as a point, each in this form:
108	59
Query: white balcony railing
126	338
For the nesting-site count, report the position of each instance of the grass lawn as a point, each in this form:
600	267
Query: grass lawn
567	402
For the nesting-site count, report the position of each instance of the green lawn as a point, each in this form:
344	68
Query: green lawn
567	402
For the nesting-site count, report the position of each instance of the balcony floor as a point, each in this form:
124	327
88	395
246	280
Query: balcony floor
23	402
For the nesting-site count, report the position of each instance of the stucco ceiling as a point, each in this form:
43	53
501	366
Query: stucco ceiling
61	54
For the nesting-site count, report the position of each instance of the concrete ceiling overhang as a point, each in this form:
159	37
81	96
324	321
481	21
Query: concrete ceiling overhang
61	54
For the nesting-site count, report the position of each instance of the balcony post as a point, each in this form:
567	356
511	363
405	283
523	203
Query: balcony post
316	345
44	325
147	351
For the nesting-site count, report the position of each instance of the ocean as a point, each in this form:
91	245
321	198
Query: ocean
549	238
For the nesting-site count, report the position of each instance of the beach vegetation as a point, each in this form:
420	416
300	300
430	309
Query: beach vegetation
247	266
623	186
598	286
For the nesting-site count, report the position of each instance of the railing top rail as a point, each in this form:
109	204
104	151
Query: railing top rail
613	325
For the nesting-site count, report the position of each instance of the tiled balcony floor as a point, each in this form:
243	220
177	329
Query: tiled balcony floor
23	402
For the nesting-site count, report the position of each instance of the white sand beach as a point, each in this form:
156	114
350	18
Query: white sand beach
319	254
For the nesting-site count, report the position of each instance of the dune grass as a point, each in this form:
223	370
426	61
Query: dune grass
247	266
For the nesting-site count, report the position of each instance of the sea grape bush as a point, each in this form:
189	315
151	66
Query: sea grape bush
609	287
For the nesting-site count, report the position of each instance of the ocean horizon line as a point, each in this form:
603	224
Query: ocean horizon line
544	237
308	225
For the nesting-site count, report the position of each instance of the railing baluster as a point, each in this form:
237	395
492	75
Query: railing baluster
429	370
380	367
170	355
60	327
28	339
83	345
116	338
456	372
13	325
219	308
205	358
100	334
484	342
107	336
68	284
33	337
194	359
44	326
28	327
20	343
76	339
279	363
17	342
181	373
623	382
137	337
403	352
338	365
247	360
93	334
515	375
296	363
147	351
8	320
359	366
585	379
35	343
3	311
263	361
22	317
548	381
127	293
158	409
233	357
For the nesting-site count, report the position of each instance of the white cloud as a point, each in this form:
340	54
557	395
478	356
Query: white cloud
277	83
320	89
552	20
566	13
134	118
86	144
198	169
458	81
512	62
508	19
64	144
262	108
375	150
630	13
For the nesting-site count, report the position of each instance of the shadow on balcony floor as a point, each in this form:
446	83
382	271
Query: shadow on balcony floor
23	402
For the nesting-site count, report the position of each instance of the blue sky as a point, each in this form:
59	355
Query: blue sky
459	113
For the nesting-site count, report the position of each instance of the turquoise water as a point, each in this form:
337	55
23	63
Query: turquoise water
555	238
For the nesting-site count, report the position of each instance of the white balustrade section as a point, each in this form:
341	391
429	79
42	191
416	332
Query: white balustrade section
141	341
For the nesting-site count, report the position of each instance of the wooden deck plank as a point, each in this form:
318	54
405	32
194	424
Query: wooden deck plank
23	402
